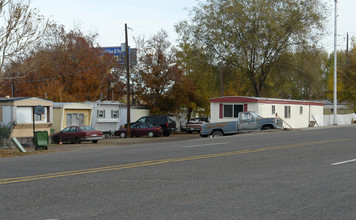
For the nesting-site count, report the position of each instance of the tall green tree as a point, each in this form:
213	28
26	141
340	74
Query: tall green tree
346	76
199	73
300	75
250	36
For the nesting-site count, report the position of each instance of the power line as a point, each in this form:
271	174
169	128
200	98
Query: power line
341	41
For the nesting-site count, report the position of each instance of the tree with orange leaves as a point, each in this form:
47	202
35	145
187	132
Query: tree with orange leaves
156	72
70	68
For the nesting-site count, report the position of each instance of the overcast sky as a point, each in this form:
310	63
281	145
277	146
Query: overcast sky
144	17
108	17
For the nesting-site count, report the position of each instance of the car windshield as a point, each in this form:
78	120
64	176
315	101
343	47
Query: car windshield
67	129
142	120
86	128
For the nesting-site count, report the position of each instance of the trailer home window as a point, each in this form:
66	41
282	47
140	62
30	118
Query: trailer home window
114	113
81	119
38	117
286	111
227	111
75	119
232	111
101	114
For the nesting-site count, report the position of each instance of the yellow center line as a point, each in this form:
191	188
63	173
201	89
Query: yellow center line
74	171
163	161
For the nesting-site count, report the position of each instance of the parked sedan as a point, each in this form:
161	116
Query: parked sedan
140	129
77	134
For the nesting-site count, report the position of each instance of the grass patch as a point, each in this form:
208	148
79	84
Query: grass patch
5	152
10	153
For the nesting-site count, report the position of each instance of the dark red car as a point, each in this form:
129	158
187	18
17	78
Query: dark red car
77	134
140	129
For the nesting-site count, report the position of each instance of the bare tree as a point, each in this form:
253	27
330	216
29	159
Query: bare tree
20	28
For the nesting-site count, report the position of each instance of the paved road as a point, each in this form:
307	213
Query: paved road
307	174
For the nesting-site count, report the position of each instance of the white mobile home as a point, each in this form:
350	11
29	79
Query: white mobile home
295	113
106	115
110	115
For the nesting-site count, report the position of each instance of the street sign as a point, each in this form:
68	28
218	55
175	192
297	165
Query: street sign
120	56
133	56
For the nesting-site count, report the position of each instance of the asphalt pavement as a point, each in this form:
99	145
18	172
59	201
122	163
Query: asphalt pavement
304	174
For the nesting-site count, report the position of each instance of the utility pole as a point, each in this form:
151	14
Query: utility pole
335	65
347	50
221	81
109	84
347	42
13	85
128	82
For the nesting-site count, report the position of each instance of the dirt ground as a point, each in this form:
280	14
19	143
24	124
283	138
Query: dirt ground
105	142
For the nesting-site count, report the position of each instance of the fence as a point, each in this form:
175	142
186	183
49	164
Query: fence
340	119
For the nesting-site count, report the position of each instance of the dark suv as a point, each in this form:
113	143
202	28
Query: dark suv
167	123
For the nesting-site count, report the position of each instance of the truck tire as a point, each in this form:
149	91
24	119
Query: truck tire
217	134
266	127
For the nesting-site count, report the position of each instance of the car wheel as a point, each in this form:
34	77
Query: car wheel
217	134
56	140
122	135
151	134
94	141
166	133
77	140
